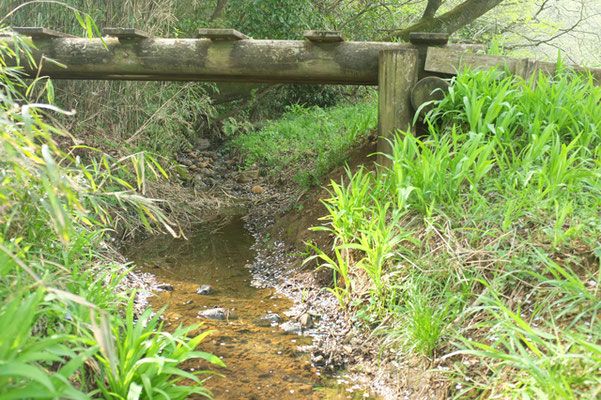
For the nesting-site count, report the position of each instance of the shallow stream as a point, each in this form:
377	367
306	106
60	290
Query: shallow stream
263	361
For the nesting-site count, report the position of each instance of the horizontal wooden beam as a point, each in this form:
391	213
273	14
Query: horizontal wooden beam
450	61
207	60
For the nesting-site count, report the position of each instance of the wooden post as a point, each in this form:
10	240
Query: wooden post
396	77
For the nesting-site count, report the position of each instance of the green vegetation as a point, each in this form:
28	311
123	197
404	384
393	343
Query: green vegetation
307	142
61	297
480	241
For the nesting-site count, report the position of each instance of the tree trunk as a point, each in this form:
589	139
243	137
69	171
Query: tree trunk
431	8
451	21
218	9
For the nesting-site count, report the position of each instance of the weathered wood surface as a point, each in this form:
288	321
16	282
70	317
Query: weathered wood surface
40	33
427	38
451	61
324	36
125	33
221	34
206	60
397	75
428	89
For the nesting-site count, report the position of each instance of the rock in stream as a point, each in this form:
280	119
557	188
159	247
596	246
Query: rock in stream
204	290
214	313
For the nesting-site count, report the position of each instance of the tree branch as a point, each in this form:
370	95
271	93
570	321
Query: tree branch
431	9
450	21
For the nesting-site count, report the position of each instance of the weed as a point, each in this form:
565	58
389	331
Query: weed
307	142
477	240
60	299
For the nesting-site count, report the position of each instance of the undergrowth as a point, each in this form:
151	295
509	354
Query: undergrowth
62	299
480	241
307	143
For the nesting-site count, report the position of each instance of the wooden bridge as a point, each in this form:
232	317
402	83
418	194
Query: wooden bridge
406	73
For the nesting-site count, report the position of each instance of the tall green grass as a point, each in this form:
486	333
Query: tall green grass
61	298
481	240
307	142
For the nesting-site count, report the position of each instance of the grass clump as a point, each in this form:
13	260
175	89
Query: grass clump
61	296
307	142
479	244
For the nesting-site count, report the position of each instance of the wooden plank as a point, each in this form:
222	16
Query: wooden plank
397	76
40	33
221	34
125	33
450	61
324	36
428	38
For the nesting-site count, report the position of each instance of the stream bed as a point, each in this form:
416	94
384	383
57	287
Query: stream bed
263	360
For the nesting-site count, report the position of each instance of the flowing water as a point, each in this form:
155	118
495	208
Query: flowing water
263	361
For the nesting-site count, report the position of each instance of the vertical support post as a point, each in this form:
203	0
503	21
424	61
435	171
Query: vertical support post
397	75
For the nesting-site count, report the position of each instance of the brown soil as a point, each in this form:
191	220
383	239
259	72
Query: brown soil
293	227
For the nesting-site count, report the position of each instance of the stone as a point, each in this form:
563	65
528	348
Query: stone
204	290
257	284
306	321
291	327
267	320
165	286
248	175
203	144
257	189
198	181
214	313
243	179
271	317
318	360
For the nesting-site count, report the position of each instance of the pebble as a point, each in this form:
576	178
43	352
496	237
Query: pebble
257	189
306	321
291	327
213	313
165	286
204	289
271	317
